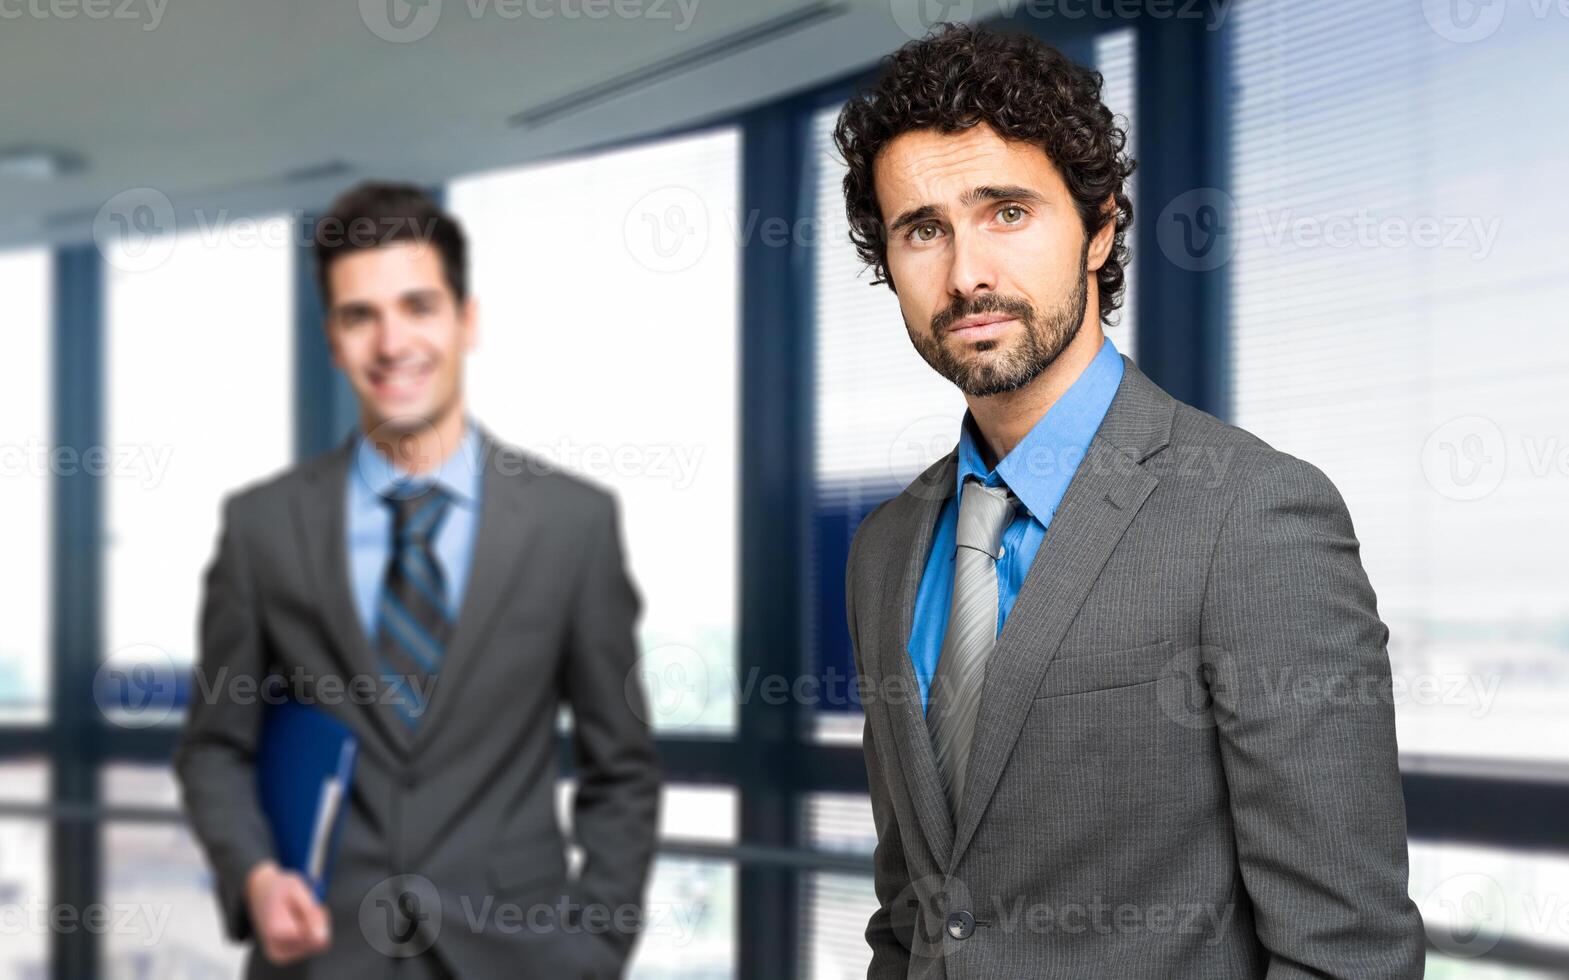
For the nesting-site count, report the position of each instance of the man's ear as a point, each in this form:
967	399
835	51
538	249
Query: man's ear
1100	245
469	319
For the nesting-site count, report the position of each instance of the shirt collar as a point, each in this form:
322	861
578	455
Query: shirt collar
458	475
1040	467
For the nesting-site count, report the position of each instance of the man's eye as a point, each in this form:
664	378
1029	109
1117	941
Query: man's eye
923	233
1011	214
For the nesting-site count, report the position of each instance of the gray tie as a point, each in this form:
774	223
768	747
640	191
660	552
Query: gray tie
955	697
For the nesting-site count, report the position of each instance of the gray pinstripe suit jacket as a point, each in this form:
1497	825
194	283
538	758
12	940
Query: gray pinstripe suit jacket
467	802
1185	759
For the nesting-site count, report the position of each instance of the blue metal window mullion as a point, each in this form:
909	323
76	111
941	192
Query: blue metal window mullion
77	548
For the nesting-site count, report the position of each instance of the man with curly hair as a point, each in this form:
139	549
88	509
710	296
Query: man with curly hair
1128	699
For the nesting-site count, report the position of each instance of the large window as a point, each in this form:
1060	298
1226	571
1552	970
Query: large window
200	396
691	902
26	461
1399	295
607	290
1116	59
837	904
159	887
24	873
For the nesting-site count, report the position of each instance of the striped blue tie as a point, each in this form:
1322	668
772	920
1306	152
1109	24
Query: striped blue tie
412	618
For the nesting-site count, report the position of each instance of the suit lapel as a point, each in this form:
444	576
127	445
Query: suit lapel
905	715
501	545
505	527
1101	501
320	523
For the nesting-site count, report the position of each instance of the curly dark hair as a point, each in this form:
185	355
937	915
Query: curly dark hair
1025	90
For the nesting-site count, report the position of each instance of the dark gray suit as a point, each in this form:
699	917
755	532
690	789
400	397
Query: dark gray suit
466	801
1184	763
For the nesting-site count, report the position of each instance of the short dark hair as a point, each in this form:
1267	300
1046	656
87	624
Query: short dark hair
372	214
1026	90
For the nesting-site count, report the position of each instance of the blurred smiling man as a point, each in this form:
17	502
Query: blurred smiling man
1087	631
473	591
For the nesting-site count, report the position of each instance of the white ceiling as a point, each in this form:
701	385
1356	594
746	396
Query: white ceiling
235	104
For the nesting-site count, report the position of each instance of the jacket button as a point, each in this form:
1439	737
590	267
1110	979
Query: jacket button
960	924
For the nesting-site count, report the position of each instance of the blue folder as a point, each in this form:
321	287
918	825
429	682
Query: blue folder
304	769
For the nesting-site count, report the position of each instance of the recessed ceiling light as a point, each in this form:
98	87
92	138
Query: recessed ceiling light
34	163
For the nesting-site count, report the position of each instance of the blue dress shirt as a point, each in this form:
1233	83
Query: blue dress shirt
1038	471
369	521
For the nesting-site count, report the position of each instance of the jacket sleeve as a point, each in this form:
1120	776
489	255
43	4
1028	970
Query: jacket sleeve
213	760
889	936
1300	681
616	808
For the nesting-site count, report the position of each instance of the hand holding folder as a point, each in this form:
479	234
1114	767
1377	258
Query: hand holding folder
304	769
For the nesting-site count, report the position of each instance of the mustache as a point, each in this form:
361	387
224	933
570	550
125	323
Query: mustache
985	303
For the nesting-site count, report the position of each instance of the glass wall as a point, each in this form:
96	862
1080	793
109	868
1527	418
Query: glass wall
24	873
199	364
1116	58
607	289
26	462
1398	290
159	887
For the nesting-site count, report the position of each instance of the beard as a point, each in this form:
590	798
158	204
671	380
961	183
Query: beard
994	367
